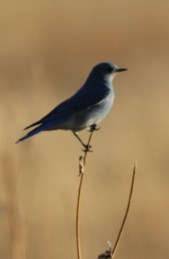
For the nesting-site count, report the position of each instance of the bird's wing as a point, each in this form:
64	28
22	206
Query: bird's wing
81	100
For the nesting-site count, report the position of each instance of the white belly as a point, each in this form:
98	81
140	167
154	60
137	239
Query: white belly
93	114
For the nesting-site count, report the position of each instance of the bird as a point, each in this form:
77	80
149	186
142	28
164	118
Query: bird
86	108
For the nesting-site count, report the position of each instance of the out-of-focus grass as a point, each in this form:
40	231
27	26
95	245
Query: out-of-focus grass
47	49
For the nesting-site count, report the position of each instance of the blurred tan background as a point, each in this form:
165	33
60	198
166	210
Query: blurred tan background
47	49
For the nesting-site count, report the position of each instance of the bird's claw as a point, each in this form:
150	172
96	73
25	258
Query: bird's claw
87	148
93	128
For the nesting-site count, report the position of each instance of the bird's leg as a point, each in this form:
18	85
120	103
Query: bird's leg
87	147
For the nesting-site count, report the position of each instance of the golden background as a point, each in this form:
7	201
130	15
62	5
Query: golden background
47	49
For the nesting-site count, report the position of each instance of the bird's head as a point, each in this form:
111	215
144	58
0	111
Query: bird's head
106	71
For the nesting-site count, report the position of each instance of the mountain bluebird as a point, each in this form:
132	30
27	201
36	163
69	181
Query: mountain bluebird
86	108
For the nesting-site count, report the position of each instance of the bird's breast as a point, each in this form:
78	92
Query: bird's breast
93	114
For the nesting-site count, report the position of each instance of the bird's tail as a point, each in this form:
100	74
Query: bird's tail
31	133
48	125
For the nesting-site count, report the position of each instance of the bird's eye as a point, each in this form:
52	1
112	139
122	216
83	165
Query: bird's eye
109	69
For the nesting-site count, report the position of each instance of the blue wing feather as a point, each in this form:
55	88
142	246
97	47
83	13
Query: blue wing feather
82	99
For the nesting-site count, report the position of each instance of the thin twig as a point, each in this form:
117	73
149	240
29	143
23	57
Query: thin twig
126	212
82	162
111	252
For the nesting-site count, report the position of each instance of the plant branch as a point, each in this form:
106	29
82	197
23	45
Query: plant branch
82	162
111	252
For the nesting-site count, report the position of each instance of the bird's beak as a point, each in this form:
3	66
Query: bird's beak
117	70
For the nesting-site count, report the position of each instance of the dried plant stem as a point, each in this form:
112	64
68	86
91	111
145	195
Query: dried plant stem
81	174
126	213
110	253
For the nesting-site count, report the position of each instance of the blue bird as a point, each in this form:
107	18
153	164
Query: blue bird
86	108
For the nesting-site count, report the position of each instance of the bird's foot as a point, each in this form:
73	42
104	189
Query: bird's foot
87	148
93	128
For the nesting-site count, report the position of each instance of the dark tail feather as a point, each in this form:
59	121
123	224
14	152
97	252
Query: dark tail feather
31	133
32	125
